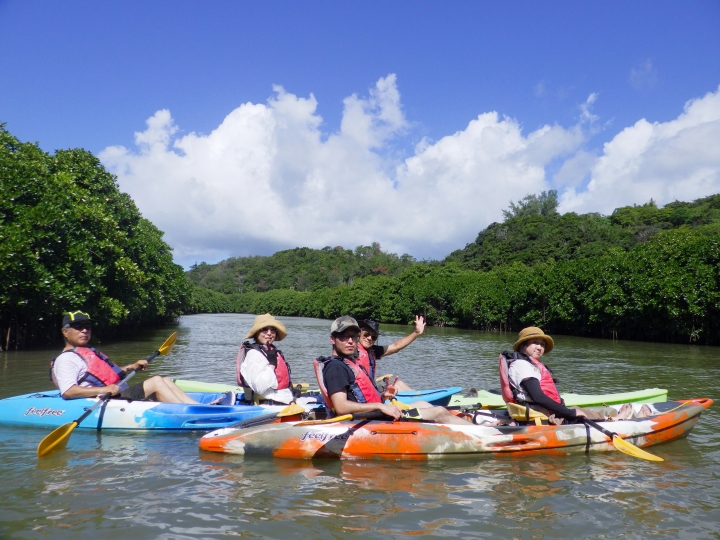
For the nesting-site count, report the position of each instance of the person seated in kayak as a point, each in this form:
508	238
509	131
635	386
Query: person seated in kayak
261	367
81	371
369	353
348	388
530	382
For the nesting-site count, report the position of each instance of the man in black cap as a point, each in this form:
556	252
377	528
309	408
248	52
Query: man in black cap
369	353
81	371
347	387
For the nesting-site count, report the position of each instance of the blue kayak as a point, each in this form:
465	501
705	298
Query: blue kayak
49	410
435	396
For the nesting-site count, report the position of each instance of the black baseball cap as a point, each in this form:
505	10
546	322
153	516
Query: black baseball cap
372	325
72	317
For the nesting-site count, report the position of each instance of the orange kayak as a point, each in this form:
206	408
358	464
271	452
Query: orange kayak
417	440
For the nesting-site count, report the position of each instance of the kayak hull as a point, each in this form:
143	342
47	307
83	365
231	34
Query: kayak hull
435	396
491	400
49	410
407	440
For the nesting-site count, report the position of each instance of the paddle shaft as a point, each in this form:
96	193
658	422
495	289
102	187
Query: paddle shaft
105	397
597	426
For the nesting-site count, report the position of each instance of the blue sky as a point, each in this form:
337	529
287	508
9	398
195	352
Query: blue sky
427	167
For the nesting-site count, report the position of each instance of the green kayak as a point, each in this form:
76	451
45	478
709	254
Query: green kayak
493	400
489	399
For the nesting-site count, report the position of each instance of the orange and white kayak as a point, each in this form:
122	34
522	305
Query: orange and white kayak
417	440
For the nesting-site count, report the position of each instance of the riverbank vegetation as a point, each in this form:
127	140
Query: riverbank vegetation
643	273
69	239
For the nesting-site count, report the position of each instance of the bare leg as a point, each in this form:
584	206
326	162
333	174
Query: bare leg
402	387
438	414
166	391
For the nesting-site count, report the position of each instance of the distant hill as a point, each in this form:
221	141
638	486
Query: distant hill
300	269
538	237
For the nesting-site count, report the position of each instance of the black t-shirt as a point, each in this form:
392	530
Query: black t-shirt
338	378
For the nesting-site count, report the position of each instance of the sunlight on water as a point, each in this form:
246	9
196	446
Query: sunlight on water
160	485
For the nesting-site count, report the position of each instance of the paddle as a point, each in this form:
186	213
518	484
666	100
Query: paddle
621	444
57	440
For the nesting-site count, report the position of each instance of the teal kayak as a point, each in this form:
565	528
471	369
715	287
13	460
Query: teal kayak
493	400
435	396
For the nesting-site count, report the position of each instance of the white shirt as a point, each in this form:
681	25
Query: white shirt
519	371
69	368
260	376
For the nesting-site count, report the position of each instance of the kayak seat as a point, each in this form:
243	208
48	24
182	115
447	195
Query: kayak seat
523	413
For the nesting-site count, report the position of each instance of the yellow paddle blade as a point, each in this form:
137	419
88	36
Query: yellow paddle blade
326	421
632	450
166	347
291	410
400	405
57	440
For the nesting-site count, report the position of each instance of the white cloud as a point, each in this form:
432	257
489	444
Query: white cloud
675	160
268	178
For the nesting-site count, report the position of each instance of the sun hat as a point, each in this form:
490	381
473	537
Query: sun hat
265	320
533	332
341	324
372	325
72	317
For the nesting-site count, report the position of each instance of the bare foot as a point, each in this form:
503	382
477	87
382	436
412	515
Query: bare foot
644	412
625	412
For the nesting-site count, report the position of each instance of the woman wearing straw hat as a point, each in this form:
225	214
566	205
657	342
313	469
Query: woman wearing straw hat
261	367
531	382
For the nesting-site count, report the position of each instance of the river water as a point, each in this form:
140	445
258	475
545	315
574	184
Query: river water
147	486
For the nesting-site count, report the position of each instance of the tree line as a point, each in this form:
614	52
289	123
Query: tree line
666	288
69	239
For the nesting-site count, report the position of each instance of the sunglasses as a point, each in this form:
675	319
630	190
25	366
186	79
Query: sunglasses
268	329
347	337
81	327
368	335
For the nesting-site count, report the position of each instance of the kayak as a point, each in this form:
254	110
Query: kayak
49	410
414	440
493	400
435	396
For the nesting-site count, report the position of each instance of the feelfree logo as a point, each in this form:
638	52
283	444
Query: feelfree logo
44	412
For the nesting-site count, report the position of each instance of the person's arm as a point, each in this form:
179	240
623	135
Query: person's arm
400	344
258	373
532	389
76	391
342	405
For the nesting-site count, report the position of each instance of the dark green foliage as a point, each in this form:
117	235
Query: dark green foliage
300	269
69	239
531	237
666	289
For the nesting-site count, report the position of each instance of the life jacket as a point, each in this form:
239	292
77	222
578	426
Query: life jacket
510	392
99	371
362	388
366	358
274	357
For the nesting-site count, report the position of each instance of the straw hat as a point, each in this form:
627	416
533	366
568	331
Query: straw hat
265	320
533	332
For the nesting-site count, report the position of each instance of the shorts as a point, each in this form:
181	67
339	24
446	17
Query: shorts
135	392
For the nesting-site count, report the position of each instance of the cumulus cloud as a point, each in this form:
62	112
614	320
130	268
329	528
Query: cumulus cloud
665	161
267	178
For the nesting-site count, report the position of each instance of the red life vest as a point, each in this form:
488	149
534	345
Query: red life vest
282	368
509	392
100	371
366	358
363	389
